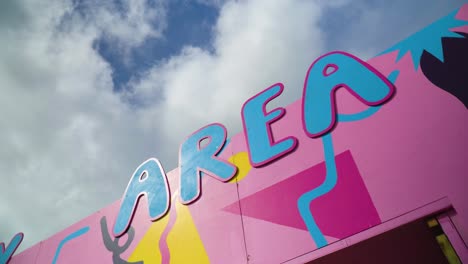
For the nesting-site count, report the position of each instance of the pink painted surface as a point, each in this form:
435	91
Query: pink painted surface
406	161
27	256
349	201
454	237
436	206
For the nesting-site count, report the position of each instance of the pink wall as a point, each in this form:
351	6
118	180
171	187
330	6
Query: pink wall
405	161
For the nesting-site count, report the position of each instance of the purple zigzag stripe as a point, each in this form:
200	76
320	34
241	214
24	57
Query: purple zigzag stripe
163	246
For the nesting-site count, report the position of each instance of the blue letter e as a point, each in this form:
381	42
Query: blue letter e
257	128
149	180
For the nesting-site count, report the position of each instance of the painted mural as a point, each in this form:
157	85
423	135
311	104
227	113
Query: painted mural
299	179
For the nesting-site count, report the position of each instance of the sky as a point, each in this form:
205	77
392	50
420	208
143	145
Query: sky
89	89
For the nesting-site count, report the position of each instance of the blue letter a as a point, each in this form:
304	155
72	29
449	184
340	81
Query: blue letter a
148	180
330	72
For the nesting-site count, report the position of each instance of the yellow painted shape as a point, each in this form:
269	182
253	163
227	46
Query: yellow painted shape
183	240
148	247
432	222
241	160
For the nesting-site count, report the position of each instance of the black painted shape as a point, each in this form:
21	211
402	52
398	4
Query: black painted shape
452	74
113	244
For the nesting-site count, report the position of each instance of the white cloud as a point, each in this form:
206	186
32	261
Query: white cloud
257	43
68	141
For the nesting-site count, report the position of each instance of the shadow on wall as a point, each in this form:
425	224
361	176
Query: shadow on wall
451	73
113	244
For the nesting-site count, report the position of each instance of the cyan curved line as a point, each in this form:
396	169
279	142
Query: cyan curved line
73	235
304	201
331	177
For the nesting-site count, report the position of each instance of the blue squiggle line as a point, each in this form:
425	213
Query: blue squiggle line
73	235
330	181
303	203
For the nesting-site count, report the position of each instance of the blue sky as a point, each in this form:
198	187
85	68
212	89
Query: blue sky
192	23
188	23
90	88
